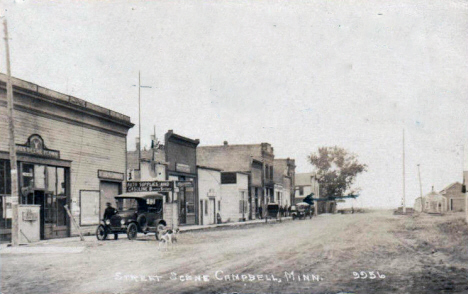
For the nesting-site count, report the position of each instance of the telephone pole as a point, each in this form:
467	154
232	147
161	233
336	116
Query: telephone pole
13	165
139	121
404	184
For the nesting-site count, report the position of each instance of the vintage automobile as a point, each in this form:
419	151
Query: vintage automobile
137	212
301	210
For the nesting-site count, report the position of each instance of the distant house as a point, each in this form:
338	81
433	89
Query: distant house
432	202
305	183
455	198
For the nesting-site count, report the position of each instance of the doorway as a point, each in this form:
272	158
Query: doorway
108	191
212	211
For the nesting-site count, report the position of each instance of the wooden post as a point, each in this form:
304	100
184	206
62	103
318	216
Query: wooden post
13	164
74	222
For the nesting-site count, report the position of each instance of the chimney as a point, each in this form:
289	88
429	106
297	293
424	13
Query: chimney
225	143
137	143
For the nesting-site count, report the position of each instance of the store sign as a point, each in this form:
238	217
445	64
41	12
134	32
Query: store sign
154	186
184	168
184	184
35	146
30	216
110	175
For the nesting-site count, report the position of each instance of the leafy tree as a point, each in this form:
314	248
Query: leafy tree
336	171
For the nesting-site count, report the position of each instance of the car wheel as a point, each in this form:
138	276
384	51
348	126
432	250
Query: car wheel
132	231
159	231
293	216
142	223
101	233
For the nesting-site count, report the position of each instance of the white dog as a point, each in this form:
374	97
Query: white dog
169	237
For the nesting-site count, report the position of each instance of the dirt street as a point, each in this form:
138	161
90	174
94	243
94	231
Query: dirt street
389	254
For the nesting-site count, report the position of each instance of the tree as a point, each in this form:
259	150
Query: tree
336	171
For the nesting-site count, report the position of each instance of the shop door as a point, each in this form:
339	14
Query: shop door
183	207
39	199
212	211
201	212
108	191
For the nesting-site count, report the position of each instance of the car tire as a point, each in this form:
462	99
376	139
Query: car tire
294	217
101	233
158	231
132	231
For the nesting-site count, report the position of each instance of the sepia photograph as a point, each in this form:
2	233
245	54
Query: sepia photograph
233	146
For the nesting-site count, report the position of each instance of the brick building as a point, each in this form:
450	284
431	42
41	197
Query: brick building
255	160
69	151
455	197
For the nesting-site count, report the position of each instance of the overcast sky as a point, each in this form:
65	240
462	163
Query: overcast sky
296	74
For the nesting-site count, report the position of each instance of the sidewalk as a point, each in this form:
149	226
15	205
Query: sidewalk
63	245
233	224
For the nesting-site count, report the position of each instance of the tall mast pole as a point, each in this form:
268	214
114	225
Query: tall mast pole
420	185
404	184
13	163
139	124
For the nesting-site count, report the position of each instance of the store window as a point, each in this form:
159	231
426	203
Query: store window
46	186
190	198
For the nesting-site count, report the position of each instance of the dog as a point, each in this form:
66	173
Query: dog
169	237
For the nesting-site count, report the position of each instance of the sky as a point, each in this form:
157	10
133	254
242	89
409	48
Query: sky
296	74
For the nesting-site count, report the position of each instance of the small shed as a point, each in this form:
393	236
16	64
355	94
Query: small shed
431	203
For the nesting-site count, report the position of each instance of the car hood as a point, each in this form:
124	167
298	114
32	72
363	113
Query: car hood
125	214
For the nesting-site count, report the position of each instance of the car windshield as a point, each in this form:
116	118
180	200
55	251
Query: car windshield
127	204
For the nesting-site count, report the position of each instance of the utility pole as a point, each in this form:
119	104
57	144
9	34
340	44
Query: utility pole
139	124
404	184
420	185
13	163
139	120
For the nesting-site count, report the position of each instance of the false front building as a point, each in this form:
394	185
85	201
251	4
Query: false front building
69	151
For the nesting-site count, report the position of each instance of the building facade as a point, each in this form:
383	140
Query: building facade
235	205
209	195
284	175
455	197
306	183
255	160
181	158
175	161
69	151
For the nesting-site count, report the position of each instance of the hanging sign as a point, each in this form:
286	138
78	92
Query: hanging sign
153	186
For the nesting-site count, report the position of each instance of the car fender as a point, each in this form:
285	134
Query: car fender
160	221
